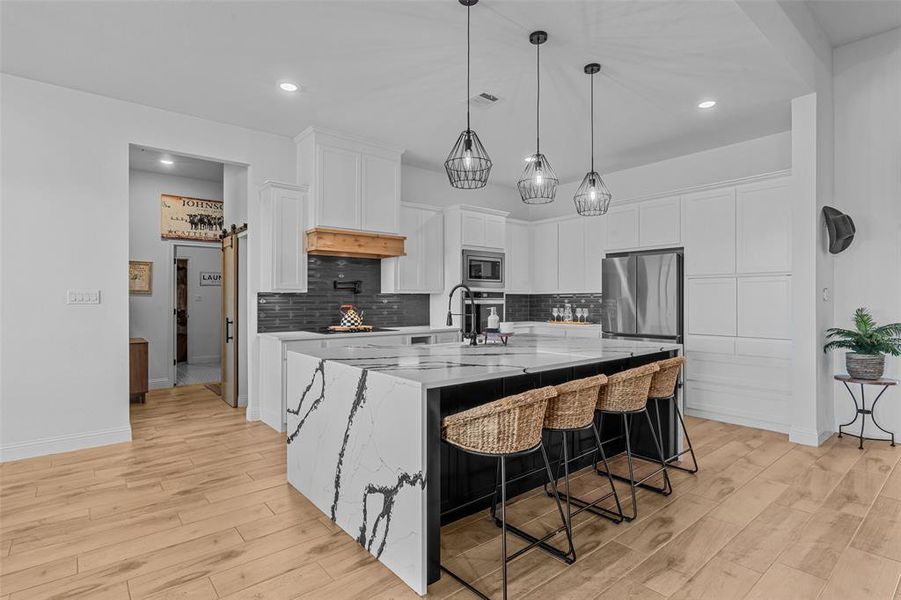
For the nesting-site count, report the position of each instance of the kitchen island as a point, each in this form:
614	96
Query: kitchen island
363	431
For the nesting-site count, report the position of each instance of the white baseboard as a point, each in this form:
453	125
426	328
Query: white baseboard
242	400
252	413
64	443
736	420
159	383
808	437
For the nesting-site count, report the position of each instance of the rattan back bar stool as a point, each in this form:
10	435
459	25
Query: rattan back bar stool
663	389
626	394
505	428
571	411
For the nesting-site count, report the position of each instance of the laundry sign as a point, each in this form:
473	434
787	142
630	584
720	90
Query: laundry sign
210	278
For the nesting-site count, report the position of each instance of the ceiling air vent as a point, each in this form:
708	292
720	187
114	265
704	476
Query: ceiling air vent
484	100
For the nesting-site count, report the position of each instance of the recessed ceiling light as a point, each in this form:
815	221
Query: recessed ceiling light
707	104
287	86
167	161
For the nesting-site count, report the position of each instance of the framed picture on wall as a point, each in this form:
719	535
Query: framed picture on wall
183	218
140	277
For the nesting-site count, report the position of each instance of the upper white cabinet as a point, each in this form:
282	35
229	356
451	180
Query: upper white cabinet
711	306
763	227
709	232
283	216
660	222
622	227
764	307
421	271
595	244
518	258
571	255
545	254
354	183
483	229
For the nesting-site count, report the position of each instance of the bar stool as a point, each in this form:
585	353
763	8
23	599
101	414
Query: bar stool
626	394
663	389
505	428
572	410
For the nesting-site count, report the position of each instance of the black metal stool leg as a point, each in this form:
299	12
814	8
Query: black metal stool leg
666	482
504	523
631	469
619	508
691	449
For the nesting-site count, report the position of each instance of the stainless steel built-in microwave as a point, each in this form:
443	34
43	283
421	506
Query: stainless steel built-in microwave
483	269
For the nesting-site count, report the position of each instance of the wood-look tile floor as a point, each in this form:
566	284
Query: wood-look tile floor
197	507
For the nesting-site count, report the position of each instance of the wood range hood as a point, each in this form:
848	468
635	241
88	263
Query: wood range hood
328	241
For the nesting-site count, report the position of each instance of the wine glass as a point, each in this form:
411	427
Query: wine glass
580	314
555	311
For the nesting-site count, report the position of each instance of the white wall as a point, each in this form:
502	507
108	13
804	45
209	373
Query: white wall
64	380
431	187
745	159
867	97
150	317
204	303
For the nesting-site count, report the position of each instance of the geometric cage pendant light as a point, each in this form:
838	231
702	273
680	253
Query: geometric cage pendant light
468	164
592	198
538	184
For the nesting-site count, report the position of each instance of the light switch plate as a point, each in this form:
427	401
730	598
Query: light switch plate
83	297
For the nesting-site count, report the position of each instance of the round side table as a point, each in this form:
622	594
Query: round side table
862	409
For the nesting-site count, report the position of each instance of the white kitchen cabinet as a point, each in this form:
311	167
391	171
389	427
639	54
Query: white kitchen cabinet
354	183
421	271
764	307
595	245
571	255
483	230
763	227
622	227
711	306
283	215
708	232
660	222
380	192
544	258
518	258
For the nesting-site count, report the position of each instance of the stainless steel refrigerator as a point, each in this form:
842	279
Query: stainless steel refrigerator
642	295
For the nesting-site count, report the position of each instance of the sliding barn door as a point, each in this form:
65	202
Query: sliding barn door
230	319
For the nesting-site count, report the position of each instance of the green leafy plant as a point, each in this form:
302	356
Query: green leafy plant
867	338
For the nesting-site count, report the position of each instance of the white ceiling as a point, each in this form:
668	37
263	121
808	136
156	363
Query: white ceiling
148	159
846	21
394	71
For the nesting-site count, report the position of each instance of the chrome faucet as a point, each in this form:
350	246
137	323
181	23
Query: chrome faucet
450	316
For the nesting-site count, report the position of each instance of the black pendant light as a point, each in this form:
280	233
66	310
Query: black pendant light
592	198
538	184
468	164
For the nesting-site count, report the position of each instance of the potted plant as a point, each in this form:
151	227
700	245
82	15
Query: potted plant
867	344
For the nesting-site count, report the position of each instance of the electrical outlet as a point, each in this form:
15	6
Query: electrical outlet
83	297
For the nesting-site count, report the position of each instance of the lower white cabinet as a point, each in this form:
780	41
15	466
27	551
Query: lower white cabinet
283	221
421	271
764	307
711	306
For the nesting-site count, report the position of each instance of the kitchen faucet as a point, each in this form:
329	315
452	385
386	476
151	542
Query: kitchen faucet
450	317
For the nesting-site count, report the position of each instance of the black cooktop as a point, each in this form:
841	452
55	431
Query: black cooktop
373	330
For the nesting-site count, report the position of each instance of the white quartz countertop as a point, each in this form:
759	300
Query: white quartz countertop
295	336
440	365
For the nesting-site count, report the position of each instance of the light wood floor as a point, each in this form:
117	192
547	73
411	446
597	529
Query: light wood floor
197	507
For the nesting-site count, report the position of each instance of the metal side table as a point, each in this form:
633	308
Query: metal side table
862	409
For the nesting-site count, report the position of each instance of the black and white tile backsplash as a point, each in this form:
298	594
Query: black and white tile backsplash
318	307
537	307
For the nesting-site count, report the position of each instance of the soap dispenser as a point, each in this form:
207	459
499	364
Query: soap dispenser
494	321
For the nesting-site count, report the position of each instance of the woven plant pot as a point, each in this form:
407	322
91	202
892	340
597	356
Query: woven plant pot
865	366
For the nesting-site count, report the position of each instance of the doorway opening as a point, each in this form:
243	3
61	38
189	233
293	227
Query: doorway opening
196	322
182	209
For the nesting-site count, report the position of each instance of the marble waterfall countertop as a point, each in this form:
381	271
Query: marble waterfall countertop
361	430
439	365
298	336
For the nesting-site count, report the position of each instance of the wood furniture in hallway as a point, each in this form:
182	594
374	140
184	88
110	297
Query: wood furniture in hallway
138	384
